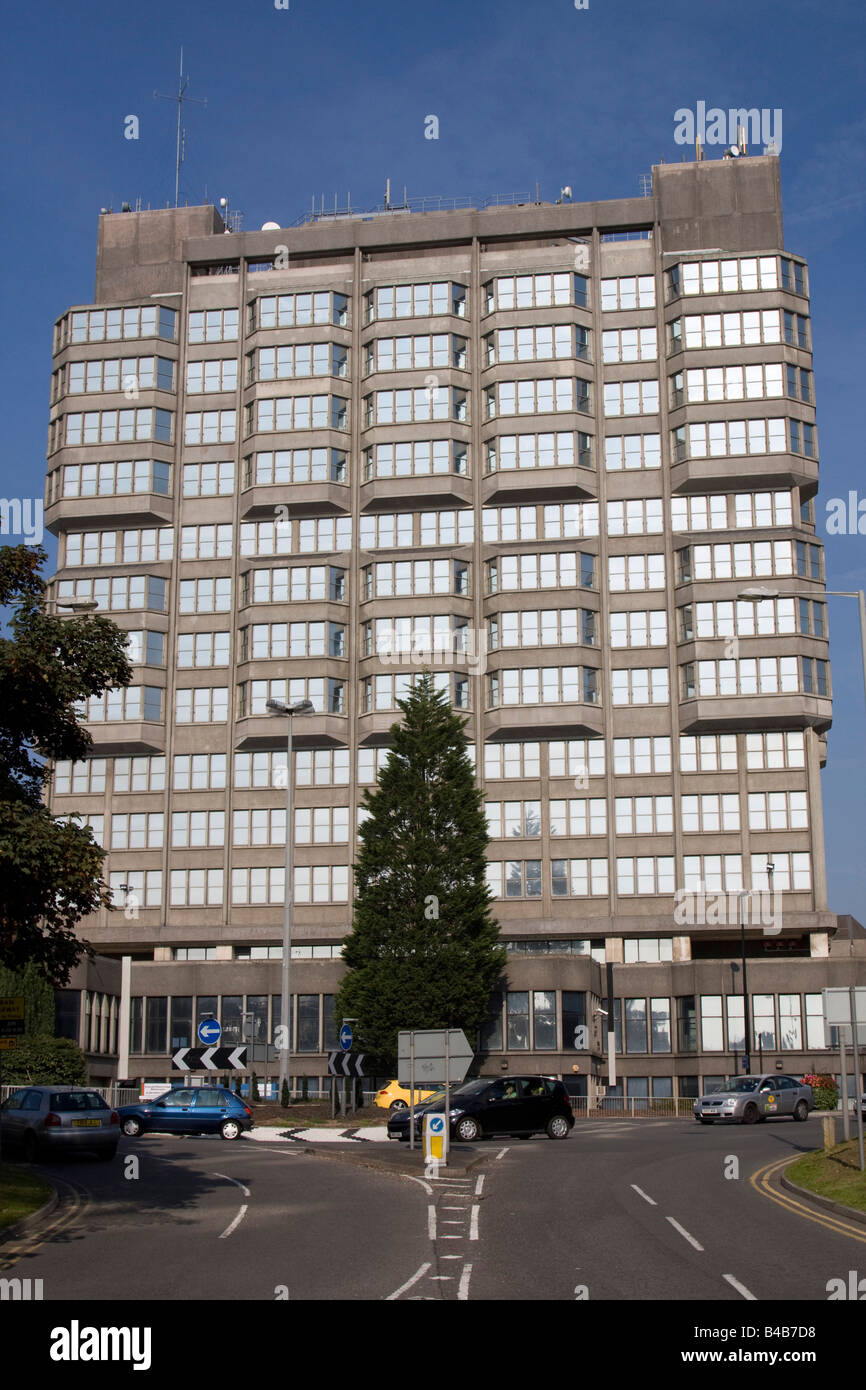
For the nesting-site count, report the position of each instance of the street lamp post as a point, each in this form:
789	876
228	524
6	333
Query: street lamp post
747	1042
278	707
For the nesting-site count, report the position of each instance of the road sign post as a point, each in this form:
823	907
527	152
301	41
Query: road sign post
447	1129
845	1009
434	1056
411	1090
858	1081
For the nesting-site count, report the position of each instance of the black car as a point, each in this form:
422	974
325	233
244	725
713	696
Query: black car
515	1105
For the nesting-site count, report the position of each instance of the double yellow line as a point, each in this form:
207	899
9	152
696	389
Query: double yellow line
761	1181
75	1202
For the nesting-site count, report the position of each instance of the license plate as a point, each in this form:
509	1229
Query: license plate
85	1124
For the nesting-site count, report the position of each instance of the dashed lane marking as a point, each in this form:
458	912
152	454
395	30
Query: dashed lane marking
640	1192
741	1288
684	1233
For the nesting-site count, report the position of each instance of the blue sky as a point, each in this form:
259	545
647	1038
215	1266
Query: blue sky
330	96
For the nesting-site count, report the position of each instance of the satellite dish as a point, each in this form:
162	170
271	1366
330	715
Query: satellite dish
771	148
565	192
735	151
270	226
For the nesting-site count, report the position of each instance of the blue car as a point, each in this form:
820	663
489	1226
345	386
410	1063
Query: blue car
189	1110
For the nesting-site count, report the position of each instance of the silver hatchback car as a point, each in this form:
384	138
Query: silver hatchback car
43	1121
750	1099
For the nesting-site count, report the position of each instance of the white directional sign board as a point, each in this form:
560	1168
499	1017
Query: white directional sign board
429	1052
837	1014
837	1005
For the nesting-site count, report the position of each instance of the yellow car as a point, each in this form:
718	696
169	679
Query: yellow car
397	1097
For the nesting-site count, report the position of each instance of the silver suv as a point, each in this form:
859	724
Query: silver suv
750	1099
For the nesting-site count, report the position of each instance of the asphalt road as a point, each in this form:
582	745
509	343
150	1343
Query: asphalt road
210	1219
644	1210
621	1210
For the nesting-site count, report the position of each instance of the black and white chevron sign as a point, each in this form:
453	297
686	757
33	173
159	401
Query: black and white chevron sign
210	1059
345	1063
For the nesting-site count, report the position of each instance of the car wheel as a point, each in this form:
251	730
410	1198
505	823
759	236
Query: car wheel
107	1154
30	1147
131	1126
557	1128
750	1114
801	1111
468	1129
399	1105
230	1129
706	1122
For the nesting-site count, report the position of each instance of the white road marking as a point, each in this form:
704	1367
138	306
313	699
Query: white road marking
419	1274
502	1152
452	1237
478	1186
431	1222
640	1192
237	1221
451	1257
426	1186
244	1190
442	1277
233	1225
463	1286
741	1288
684	1233
453	1208
473	1223
452	1223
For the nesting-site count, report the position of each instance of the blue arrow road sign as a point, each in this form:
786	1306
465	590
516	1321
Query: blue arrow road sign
209	1031
436	1124
346	1036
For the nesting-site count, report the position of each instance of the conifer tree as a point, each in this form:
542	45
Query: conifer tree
424	951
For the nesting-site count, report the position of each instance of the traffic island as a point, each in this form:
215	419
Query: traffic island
398	1158
831	1179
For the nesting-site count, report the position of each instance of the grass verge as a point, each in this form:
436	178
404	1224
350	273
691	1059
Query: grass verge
20	1194
835	1175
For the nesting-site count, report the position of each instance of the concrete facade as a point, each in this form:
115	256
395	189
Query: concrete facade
573	434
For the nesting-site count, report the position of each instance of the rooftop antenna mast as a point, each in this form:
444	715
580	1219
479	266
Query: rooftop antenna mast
181	97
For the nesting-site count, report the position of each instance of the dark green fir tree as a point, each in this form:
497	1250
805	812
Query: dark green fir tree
424	950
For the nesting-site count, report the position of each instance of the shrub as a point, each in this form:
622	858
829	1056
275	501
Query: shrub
824	1089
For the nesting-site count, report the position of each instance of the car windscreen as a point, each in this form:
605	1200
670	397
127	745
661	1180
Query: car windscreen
742	1084
68	1102
471	1088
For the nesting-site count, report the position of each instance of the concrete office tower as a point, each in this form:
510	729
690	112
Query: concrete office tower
565	455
